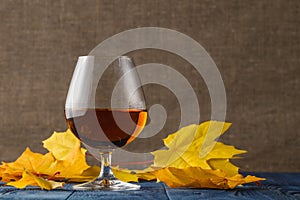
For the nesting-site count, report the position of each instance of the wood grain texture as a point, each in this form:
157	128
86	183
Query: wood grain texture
255	45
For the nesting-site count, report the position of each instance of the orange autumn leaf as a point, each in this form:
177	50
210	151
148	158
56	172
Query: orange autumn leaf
33	162
65	159
27	160
236	180
196	177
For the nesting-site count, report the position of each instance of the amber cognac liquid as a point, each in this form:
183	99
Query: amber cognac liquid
102	127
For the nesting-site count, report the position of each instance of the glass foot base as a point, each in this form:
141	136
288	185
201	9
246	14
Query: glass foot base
104	184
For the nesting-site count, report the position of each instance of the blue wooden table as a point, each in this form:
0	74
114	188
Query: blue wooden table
277	186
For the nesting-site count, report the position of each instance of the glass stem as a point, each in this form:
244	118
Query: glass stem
106	173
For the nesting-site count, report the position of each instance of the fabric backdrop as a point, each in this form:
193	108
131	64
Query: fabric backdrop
255	45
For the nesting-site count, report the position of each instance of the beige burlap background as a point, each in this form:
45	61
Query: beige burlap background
255	45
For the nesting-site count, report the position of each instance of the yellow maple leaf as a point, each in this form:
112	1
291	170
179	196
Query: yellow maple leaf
26	160
70	157
87	175
33	180
183	164
125	175
224	164
65	160
232	182
184	147
5	175
62	144
128	175
29	161
196	177
146	174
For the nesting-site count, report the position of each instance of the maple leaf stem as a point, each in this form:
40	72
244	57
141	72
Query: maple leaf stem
53	176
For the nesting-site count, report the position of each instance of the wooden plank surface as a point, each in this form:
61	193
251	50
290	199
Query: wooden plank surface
277	186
